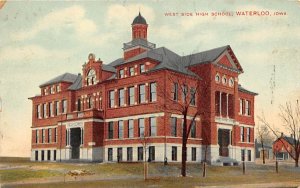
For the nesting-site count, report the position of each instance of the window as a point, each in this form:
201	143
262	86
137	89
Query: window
174	153
140	154
247	108
243	155
152	92
141	127
48	155
129	154
231	82
120	154
36	155
241	106
55	133
193	130
110	154
64	106
111	99
249	155
78	104
57	88
151	153
44	110
248	135
54	155
110	130
175	91
184	93
242	134
43	155
91	77
82	137
56	106
130	128
152	126
38	111
120	129
51	90
142	68
121	73
36	136
194	154
51	109
224	80
131	71
90	102
45	91
193	96
43	136
121	97
142	97
49	135
217	78
131	96
173	126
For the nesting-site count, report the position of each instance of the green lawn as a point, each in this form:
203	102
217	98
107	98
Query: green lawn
14	170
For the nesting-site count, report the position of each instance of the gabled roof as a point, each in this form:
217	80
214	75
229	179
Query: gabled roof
66	77
77	83
246	91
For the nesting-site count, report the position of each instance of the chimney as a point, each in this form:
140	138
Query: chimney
281	134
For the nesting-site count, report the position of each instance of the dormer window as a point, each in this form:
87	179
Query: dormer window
91	77
121	73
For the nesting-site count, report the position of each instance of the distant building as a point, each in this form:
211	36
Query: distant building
104	113
282	146
259	151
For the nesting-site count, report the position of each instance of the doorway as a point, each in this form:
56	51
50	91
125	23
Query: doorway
223	142
75	142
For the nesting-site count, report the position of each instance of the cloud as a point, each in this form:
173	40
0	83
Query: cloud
72	17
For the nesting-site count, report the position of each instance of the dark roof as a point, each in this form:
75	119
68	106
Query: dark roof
108	68
246	91
139	20
77	83
66	77
116	62
290	140
139	42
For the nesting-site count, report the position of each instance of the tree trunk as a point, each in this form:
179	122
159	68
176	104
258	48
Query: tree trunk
263	148
296	162
183	157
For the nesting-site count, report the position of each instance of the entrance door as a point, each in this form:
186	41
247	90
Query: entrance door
223	141
75	142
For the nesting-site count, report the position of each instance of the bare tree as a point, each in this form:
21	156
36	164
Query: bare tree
145	142
263	134
290	117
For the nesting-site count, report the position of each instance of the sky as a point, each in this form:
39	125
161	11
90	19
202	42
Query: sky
41	40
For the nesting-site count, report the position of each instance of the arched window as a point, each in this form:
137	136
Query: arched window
91	77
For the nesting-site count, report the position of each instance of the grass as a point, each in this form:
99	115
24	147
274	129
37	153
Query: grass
131	174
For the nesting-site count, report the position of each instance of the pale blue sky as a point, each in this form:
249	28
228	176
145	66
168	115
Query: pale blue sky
40	40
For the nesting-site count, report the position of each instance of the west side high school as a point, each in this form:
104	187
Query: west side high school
129	109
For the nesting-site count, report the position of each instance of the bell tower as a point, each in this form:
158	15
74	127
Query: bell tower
139	28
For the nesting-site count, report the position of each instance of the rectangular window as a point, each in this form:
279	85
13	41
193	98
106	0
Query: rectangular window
48	155
51	109
43	136
82	137
241	106
78	105
130	128
242	134
248	135
38	111
131	96
44	110
42	155
64	106
131	71
184	93
129	154
175	91
152	92
193	130
243	155
110	154
121	97
110	130
140	154
36	155
56	106
54	155
151	153
142	97
142	68
249	155
120	154
173	126
120	129
49	135
121	73
193	96
51	90
152	126
194	154
247	108
57	88
55	133
111	99
36	136
90	103
174	153
141	127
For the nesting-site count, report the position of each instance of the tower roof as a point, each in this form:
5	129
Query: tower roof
139	20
